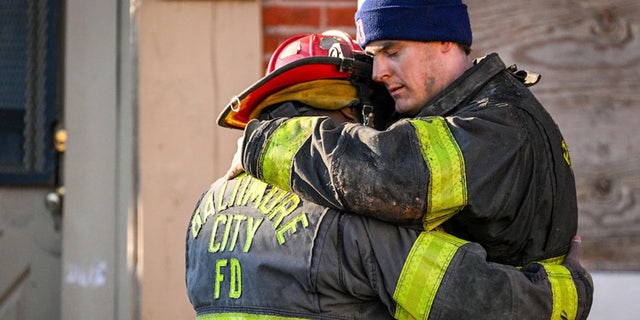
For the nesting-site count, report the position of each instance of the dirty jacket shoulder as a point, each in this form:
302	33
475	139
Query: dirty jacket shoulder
484	155
253	249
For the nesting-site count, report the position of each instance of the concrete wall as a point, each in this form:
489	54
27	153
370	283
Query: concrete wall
91	218
194	56
30	251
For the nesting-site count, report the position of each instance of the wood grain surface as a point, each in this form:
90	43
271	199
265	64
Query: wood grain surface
588	53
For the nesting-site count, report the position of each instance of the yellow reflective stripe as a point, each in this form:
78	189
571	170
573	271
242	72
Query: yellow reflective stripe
423	272
242	316
565	295
276	158
447	192
554	260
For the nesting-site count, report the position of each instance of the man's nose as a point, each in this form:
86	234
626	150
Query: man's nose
380	70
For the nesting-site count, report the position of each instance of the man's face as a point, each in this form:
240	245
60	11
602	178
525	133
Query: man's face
413	72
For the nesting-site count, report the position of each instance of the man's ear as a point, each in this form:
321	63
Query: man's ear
350	114
446	46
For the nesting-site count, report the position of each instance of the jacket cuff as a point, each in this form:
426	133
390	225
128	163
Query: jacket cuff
584	286
250	155
256	133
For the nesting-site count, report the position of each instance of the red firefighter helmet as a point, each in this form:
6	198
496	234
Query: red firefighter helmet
298	59
332	43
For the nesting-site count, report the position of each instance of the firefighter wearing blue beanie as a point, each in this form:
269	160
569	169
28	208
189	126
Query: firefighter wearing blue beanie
417	20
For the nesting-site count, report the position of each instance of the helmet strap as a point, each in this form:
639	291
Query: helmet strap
360	69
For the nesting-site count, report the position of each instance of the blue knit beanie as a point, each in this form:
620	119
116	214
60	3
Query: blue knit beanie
418	20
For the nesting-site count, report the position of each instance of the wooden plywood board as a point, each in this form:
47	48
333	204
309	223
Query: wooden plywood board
588	53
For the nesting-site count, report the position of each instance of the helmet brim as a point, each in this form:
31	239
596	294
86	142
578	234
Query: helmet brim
237	112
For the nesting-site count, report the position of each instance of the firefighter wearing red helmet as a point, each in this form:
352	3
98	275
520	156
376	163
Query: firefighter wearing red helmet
328	70
255	251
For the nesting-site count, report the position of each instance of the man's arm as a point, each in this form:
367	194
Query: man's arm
414	169
343	166
447	278
434	275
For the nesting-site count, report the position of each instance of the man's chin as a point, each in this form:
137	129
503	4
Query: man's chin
405	109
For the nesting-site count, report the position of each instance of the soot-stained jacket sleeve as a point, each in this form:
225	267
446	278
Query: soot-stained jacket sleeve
484	160
413	173
473	288
343	166
444	277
